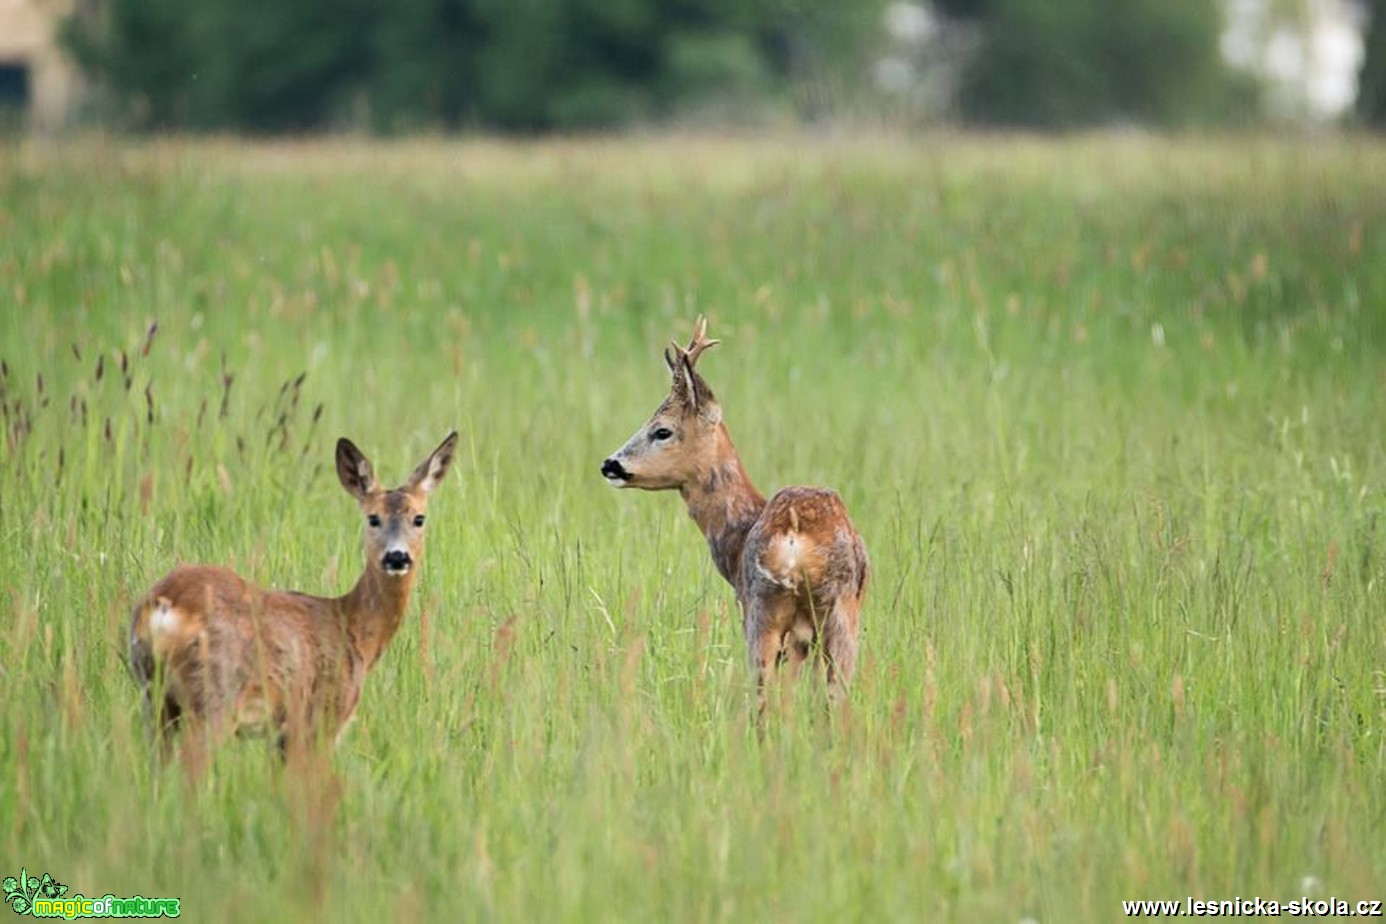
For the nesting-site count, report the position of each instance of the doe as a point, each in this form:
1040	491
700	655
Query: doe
219	656
798	566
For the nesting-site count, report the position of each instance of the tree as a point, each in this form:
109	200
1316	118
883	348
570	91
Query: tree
1083	62
136	50
271	66
258	65
520	65
1371	80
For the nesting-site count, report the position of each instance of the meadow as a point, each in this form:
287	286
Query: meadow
1108	412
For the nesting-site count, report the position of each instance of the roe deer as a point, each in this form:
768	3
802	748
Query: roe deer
223	656
797	564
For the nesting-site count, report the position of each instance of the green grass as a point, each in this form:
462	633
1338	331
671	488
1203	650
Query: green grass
1107	411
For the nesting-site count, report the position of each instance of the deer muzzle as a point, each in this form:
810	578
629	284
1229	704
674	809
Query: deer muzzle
396	561
614	472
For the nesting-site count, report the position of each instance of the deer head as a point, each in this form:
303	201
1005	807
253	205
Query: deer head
394	518
680	438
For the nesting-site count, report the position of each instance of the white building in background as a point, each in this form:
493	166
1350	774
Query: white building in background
36	77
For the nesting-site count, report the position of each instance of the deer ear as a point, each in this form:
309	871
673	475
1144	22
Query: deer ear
692	393
432	469
354	470
700	398
681	385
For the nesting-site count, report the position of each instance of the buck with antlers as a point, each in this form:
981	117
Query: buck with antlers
217	655
797	564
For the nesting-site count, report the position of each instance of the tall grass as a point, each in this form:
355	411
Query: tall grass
1108	413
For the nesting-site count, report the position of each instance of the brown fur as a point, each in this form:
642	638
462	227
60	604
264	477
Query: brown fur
224	657
798	565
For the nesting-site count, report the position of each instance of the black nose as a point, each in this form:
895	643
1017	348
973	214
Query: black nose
613	469
396	560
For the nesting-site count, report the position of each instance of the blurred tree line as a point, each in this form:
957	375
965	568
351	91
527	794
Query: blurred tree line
541	65
1084	62
518	65
1371	80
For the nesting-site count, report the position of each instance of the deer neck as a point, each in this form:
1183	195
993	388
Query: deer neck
725	504
374	609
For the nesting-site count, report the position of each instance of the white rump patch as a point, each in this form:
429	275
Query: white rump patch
165	618
780	564
792	550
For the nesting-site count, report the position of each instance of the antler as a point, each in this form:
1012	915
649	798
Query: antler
688	386
697	345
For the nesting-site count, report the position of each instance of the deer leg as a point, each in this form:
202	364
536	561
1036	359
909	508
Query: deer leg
301	747
296	736
768	619
162	709
198	741
204	728
165	721
763	650
796	651
840	632
296	751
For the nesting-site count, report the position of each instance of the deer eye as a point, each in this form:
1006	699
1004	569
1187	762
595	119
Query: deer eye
663	433
374	520
419	520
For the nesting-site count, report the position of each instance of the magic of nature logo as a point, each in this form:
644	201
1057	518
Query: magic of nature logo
46	897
